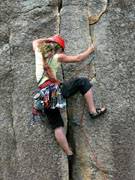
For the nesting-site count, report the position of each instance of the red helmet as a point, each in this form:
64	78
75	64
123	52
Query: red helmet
58	40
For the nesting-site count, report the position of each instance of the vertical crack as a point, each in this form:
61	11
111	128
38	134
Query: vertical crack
59	5
63	78
93	63
92	20
59	20
12	74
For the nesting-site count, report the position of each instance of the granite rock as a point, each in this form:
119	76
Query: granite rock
31	152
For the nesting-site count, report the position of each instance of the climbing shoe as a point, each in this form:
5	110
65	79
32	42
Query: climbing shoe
98	113
70	163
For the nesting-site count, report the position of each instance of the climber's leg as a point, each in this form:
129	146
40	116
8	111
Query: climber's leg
84	86
62	140
56	121
89	99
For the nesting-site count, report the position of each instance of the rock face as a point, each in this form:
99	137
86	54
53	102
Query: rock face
31	152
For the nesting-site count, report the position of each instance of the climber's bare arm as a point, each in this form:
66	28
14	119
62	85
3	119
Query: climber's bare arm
36	42
78	58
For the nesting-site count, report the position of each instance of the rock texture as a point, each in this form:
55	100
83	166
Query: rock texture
26	152
31	152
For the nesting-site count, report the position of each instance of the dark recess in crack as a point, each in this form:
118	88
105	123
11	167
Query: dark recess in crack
59	5
68	128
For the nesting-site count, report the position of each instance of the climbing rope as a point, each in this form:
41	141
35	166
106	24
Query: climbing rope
82	118
78	71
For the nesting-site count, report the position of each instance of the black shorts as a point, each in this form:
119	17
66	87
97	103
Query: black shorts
71	87
54	118
68	89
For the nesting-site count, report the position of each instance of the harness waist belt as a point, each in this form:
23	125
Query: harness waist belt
46	83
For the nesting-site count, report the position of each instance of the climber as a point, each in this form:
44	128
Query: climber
50	49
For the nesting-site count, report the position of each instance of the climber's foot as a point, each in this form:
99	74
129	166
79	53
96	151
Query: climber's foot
70	162
99	112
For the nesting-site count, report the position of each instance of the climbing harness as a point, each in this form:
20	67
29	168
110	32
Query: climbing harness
48	97
82	118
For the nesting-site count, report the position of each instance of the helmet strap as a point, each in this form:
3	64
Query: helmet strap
54	48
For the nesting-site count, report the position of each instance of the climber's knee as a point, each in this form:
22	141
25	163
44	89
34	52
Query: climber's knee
85	85
58	131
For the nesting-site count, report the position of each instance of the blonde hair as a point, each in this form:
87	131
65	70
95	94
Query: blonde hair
47	47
